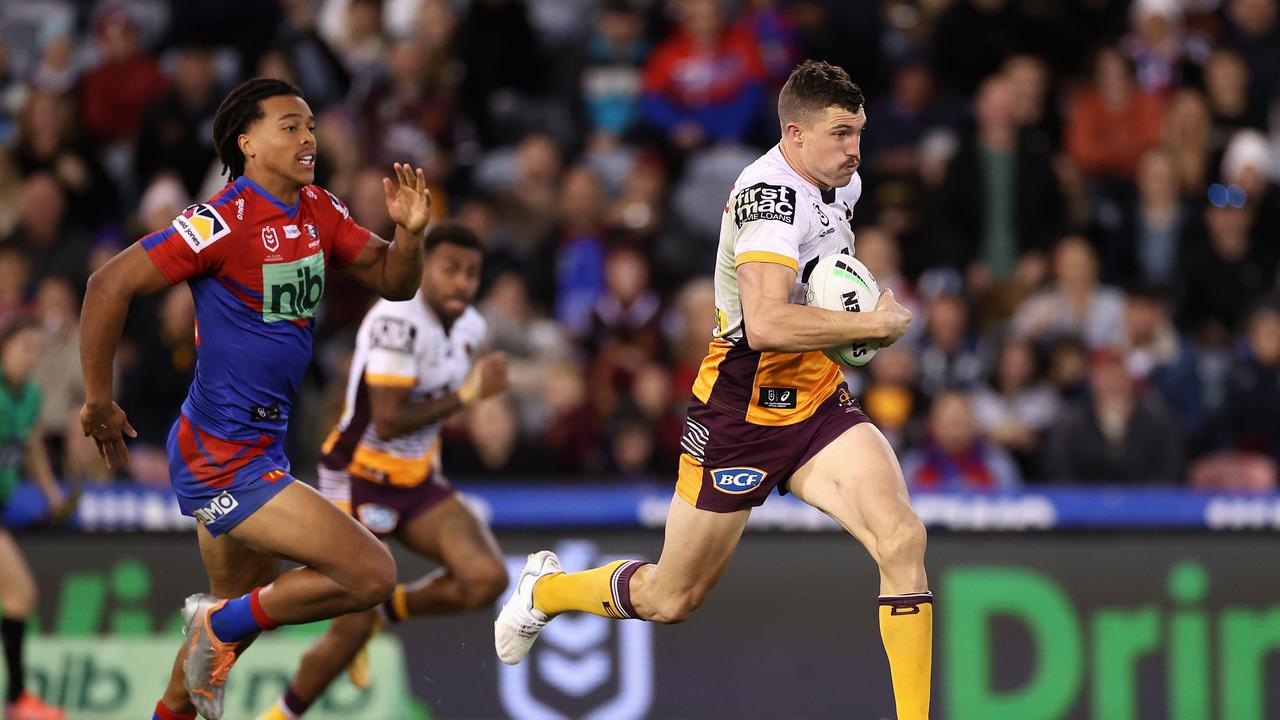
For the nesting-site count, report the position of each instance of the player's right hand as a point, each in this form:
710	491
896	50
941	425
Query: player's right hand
108	426
898	315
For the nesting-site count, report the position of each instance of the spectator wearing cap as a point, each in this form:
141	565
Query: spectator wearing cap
1164	54
1252	164
956	456
704	83
1119	434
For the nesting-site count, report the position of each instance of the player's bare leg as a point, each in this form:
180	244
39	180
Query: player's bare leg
697	547
869	498
18	599
348	571
472	575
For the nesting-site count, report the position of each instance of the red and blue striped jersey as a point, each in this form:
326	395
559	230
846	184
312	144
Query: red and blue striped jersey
256	268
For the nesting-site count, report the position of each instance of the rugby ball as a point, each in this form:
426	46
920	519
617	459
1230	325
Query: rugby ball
841	282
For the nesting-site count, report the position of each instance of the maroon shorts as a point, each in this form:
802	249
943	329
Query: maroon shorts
386	508
729	464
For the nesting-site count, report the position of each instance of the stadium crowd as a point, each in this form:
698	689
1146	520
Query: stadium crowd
1078	200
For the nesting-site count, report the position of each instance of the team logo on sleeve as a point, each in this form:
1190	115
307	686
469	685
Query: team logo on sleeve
393	334
337	204
201	226
765	202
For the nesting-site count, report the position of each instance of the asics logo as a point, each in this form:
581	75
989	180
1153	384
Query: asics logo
738	480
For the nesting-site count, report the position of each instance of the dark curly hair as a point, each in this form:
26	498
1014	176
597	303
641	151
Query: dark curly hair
242	108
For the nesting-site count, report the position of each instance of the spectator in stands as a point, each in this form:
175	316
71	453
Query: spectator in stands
1076	304
176	126
46	142
1163	53
572	262
612	72
690	326
574	434
881	253
317	69
45	231
892	396
1118	435
1001	199
956	456
1227	90
1148	246
950	355
528	208
411	110
1226	270
1017	408
1188	136
1112	122
1255	167
492	445
110	109
1253	31
354	30
15	278
1251	415
1158	358
1034	106
624	332
1068	367
58	374
777	35
704	83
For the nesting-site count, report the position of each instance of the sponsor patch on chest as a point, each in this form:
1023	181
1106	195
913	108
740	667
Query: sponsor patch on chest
763	201
292	290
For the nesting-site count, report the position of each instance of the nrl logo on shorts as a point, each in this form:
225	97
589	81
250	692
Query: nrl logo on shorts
587	667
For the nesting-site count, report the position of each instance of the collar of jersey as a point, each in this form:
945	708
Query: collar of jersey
244	182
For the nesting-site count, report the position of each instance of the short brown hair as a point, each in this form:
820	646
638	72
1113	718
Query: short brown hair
815	86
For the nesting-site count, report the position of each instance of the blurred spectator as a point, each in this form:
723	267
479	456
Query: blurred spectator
15	278
1000	197
950	356
1253	166
1233	471
1163	52
777	36
956	456
503	62
161	202
689	331
410	114
1227	90
45	232
1112	122
902	117
572	257
58	375
880	252
46	142
528	206
623	333
177	129
1118	435
354	30
317	69
492	446
1034	107
1068	367
1188	136
1253	31
573	436
704	82
1251	416
110	109
154	382
1158	358
1153	237
1076	304
612	71
1227	269
892	397
1018	407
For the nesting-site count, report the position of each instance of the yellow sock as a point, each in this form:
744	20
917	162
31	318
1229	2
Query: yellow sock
906	627
603	591
399	603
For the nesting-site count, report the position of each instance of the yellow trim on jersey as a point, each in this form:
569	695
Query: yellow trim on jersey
709	371
382	467
689	479
813	376
399	381
767	257
330	441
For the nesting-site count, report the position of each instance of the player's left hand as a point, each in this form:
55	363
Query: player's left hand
408	199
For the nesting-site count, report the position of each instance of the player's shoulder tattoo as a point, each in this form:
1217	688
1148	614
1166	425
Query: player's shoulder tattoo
392	333
765	201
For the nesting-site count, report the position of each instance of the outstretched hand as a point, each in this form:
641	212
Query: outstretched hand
408	199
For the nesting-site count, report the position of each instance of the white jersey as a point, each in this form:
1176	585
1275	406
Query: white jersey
400	344
774	215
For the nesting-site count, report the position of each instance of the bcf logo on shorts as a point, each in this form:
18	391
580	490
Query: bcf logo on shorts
378	518
737	480
217	509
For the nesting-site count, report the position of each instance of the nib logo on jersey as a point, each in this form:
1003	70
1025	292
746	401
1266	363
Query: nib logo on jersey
292	291
763	201
582	666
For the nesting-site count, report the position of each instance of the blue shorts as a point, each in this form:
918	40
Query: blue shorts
221	482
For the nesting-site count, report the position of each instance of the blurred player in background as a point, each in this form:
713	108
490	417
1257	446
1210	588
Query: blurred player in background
255	258
21	446
769	409
415	364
